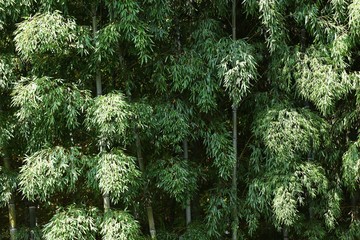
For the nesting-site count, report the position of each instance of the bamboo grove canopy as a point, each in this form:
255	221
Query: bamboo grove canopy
179	119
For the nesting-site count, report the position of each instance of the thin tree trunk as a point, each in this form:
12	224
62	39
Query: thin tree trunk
234	178
149	208
32	220
98	73
106	197
285	233
354	205
234	211
188	201
12	210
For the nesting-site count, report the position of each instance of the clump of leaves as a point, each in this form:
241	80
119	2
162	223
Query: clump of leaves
118	175
172	124
47	107
320	79
108	116
45	33
238	69
219	147
8	183
48	171
72	223
176	177
119	225
351	166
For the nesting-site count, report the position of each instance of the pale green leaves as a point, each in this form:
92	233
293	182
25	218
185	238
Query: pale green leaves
48	171
351	166
321	80
47	105
272	17
8	183
119	225
238	69
108	115
118	175
48	33
285	207
288	133
85	224
7	71
72	223
354	17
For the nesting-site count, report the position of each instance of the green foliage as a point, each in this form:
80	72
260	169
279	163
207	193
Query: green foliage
195	231
8	184
7	71
351	166
272	17
118	175
47	33
47	107
72	223
321	80
142	115
218	212
119	225
131	26
48	171
108	116
287	132
238	69
176	177
354	18
172	124
219	147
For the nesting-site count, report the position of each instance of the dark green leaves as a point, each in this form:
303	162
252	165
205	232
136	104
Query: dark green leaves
176	177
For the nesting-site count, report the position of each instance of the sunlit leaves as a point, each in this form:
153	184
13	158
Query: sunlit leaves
108	115
8	184
354	17
7	73
284	205
287	132
118	175
72	223
48	171
48	33
272	17
46	106
320	80
351	166
119	225
238	69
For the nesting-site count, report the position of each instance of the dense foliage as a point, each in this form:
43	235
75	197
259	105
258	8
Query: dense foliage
118	118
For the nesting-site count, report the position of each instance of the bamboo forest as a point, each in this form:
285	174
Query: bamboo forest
179	119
